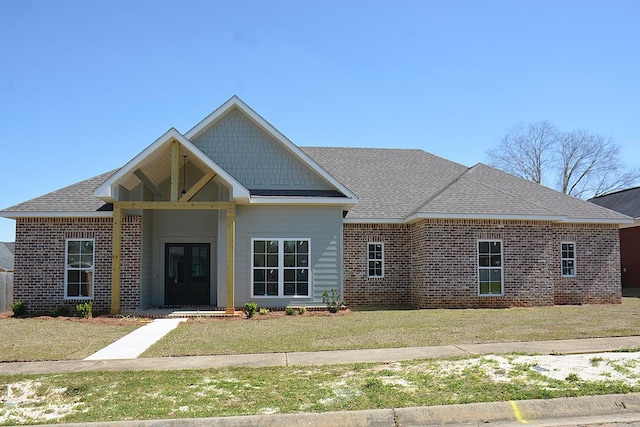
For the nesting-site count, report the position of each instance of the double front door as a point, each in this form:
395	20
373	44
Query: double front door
187	274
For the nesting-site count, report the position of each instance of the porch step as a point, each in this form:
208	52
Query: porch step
202	313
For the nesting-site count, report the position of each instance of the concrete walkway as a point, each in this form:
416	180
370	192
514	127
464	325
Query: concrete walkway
387	355
134	344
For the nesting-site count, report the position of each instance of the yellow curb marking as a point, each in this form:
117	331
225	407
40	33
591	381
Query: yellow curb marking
517	413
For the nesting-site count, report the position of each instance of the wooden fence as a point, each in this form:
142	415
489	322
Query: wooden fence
6	291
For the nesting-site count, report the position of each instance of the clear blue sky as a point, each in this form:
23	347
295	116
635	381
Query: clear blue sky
86	85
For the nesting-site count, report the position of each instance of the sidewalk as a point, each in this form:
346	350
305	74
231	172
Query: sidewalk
387	355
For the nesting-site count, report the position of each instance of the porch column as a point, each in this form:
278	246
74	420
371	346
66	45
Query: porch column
231	227
116	259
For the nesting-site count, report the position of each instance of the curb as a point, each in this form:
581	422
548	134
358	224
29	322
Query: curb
552	412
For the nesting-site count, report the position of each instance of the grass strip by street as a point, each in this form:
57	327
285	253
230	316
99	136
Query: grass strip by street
111	396
398	328
57	339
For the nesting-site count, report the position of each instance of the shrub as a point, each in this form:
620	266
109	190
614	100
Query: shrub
302	310
61	310
250	309
289	311
263	311
19	308
333	301
85	310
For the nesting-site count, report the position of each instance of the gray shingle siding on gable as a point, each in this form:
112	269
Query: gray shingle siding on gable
253	157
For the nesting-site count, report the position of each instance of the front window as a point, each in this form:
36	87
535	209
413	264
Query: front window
490	267
78	275
568	260
280	267
375	259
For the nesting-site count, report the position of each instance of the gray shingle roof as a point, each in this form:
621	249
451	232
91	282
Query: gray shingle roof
396	183
390	183
624	201
393	184
6	255
488	191
74	198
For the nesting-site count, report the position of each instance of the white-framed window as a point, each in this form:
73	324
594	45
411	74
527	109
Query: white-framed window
375	259
280	267
79	268
490	274
568	259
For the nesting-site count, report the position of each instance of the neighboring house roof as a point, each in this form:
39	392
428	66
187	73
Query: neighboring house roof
6	256
624	201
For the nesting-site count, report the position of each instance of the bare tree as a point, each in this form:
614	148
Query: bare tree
526	150
578	163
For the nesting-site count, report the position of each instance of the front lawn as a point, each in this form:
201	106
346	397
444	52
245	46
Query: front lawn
32	339
398	328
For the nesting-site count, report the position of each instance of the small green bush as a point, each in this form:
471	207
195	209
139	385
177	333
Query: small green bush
263	311
302	310
289	311
61	310
19	308
333	301
250	309
85	310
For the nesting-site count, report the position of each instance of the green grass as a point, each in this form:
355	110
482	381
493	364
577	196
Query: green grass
398	328
111	396
56	339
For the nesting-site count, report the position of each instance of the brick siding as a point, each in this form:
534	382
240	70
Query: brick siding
433	264
428	264
40	261
392	289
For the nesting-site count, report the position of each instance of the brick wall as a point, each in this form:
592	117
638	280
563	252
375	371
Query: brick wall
392	289
598	278
433	264
40	261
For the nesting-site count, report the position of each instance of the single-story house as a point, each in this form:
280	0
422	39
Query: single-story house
626	202
233	212
6	256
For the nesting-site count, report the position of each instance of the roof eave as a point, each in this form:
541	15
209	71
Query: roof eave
284	200
54	214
